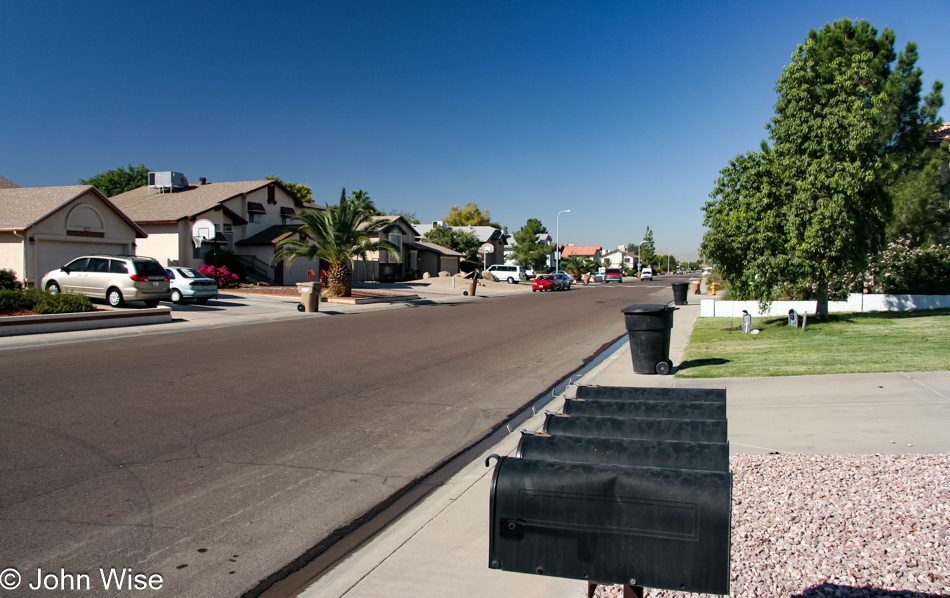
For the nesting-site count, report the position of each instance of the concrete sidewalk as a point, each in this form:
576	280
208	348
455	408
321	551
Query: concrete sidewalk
441	545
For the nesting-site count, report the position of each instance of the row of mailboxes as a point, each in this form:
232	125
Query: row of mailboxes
639	498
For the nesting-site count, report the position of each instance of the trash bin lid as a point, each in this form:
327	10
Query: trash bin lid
645	308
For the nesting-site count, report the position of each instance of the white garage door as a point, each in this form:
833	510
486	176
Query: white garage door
53	254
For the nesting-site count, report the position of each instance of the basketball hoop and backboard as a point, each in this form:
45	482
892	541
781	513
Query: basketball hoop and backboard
202	230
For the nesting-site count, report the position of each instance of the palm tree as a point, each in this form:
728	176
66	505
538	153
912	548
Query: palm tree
573	265
337	236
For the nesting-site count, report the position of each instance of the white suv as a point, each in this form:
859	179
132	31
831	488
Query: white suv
511	274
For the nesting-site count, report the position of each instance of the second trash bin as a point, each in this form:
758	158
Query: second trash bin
309	296
680	289
648	331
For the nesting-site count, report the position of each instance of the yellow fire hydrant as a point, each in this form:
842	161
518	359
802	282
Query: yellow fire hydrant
712	288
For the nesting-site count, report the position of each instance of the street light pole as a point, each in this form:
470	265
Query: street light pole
557	239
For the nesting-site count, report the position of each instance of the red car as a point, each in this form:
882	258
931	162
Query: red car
546	282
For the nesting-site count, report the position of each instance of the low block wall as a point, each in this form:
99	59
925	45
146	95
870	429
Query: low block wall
710	308
16	325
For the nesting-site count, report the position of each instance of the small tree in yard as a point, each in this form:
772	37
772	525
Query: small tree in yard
337	236
528	252
456	240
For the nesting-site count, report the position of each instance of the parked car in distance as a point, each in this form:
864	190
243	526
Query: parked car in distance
546	282
613	275
510	274
115	278
566	280
188	283
646	273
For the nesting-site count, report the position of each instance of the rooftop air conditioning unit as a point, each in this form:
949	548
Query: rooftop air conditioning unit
167	180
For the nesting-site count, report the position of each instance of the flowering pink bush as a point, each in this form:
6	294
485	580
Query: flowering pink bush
900	269
225	278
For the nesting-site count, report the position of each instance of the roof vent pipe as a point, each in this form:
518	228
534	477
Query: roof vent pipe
203	180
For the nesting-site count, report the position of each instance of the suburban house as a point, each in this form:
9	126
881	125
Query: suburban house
43	228
492	239
432	259
415	258
582	251
619	258
249	218
543	239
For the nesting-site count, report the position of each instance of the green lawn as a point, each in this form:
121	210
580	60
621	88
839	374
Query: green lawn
916	341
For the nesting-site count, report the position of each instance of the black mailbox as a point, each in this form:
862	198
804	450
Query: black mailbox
703	456
695	430
701	395
641	526
640	409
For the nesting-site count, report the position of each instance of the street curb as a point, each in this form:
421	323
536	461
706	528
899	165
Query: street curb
19	325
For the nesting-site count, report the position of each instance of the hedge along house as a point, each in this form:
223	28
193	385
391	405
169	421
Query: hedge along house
43	228
249	217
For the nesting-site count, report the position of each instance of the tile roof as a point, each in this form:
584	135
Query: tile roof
7	184
433	248
484	233
270	235
580	250
147	205
22	207
941	134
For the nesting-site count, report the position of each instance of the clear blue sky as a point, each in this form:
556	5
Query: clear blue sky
623	112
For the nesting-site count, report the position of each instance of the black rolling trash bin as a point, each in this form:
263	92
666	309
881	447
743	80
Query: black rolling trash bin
680	293
648	331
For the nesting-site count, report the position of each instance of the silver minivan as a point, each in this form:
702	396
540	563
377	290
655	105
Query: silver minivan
115	278
511	274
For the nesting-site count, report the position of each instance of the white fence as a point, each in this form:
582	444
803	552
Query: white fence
710	308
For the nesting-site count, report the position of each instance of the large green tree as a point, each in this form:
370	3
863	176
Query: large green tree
528	252
337	235
469	215
462	241
119	180
922	204
299	190
814	204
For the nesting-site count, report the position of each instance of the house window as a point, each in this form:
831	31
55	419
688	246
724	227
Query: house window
228	229
286	215
396	239
271	198
254	211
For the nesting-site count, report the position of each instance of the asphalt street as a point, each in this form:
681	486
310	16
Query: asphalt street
215	457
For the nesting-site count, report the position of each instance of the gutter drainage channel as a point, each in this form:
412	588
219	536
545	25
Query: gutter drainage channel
309	567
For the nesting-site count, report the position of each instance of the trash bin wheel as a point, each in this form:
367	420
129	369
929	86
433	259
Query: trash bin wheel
663	368
465	293
300	307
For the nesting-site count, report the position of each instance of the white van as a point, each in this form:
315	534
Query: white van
646	273
511	274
